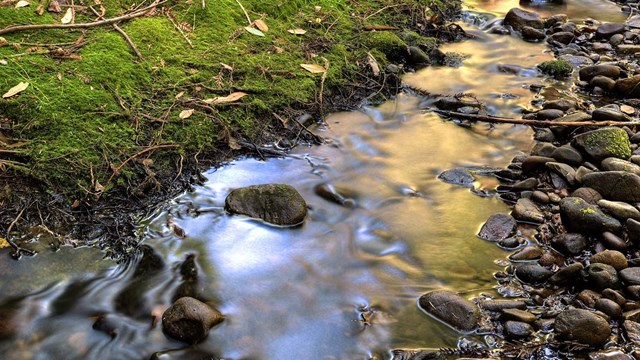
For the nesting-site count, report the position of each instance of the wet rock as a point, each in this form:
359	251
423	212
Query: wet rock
628	87
605	113
620	210
614	258
580	173
416	56
527	184
589	297
526	210
560	104
184	354
451	308
615	164
615	185
567	274
532	34
604	143
189	287
589	72
526	254
540	197
632	315
532	163
401	354
627	49
609	307
563	37
570	243
634	22
565	171
533	273
543	149
603	82
498	227
518	18
615	296
500	305
516	329
633	230
577	60
601	276
630	276
582	326
278	204
607	30
337	195
601	48
518	315
587	194
632	329
582	217
189	320
452	103
549	114
511	242
568	155
613	242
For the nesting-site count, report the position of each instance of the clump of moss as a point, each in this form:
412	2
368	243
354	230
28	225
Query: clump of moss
614	140
558	68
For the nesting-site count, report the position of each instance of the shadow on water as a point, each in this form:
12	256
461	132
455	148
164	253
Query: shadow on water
382	230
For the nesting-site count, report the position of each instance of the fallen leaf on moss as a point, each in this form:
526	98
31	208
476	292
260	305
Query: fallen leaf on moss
3	41
179	95
22	3
4	243
297	31
261	25
226	66
233	143
254	31
313	68
22	86
4	62
185	114
68	16
227	99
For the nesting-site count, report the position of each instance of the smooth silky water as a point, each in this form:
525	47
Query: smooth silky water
343	285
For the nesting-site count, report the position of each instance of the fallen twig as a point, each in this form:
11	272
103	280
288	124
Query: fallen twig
544	123
245	12
381	28
18	250
138	13
175	25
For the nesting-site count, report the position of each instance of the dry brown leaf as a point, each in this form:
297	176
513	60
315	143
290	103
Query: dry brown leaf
261	25
185	114
3	41
179	95
374	64
75	204
98	187
59	76
227	99
40	10
226	66
22	3
54	7
278	50
313	68
68	16
233	143
297	31
22	86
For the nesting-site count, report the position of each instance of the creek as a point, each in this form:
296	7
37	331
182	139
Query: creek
343	285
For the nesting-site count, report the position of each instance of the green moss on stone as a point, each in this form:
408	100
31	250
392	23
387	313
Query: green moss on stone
556	68
614	140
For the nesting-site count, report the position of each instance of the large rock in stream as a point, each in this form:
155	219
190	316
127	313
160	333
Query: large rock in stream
582	326
581	217
279	204
615	185
189	320
518	19
604	143
451	308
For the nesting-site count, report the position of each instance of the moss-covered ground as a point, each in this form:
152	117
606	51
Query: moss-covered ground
96	119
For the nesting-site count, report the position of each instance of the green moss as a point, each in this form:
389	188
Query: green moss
91	109
615	141
557	68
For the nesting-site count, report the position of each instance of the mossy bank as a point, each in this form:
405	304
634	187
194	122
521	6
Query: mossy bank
101	131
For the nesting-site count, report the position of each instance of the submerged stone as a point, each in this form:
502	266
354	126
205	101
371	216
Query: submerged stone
451	308
498	227
189	320
278	204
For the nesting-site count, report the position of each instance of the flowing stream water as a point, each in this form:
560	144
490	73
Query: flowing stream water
342	286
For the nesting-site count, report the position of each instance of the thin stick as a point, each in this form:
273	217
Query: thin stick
544	123
175	25
383	9
16	28
245	11
324	77
17	248
141	152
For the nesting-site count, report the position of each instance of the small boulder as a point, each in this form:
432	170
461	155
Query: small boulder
518	19
582	217
498	227
582	326
615	164
589	72
619	209
607	30
278	204
189	320
526	210
533	273
614	185
517	329
630	276
628	87
601	276
614	258
458	176
570	243
451	308
604	143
